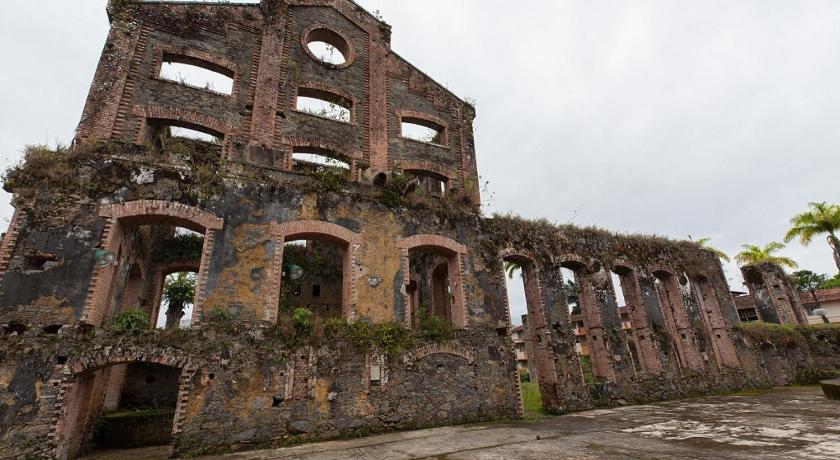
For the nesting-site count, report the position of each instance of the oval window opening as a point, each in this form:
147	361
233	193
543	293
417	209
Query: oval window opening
328	47
327	53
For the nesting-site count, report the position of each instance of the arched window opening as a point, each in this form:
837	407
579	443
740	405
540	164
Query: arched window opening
422	130
428	182
314	160
625	312
198	143
324	104
327	47
524	295
313	274
161	238
197	73
137	409
430	273
578	322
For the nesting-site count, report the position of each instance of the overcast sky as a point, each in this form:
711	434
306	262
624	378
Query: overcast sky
706	118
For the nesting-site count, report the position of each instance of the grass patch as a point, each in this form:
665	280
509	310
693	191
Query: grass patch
531	398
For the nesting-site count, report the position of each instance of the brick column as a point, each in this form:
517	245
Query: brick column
615	338
710	307
645	344
10	240
266	95
775	298
592	319
676	319
113	390
103	101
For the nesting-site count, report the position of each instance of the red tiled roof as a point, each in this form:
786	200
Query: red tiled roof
823	295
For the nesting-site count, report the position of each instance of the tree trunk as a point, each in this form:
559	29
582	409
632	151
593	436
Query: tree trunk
173	316
835	246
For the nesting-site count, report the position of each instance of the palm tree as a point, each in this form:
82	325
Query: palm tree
820	219
754	254
178	291
704	243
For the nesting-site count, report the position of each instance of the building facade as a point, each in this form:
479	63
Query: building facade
345	279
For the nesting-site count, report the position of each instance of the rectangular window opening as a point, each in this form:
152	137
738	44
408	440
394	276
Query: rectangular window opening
324	104
422	131
314	162
196	76
187	133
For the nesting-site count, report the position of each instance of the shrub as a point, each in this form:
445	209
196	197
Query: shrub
131	320
432	327
302	317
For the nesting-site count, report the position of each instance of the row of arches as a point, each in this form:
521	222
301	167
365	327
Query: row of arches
431	264
659	314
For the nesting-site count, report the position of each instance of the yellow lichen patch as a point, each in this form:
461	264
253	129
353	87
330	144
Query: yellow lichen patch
379	259
322	391
6	374
246	283
309	207
195	402
248	388
363	404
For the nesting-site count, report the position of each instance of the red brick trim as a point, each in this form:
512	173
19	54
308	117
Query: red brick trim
426	240
455	251
176	115
315	229
420	165
424	117
145	212
348	51
64	411
434	348
10	240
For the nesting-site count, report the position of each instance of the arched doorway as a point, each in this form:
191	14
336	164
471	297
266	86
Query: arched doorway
127	399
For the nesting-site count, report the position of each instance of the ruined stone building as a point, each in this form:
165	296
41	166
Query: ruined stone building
345	280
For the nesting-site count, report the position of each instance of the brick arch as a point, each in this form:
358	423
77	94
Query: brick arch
71	390
440	348
181	117
349	240
146	212
570	260
455	253
420	165
427	240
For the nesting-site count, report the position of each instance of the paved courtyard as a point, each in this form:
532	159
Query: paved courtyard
784	423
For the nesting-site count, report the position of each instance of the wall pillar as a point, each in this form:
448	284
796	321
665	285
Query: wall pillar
775	298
